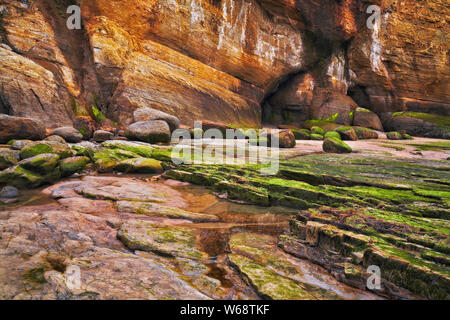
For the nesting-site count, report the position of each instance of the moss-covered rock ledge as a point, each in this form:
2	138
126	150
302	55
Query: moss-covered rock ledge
356	211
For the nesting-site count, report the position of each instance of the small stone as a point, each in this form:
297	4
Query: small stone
394	135
72	165
347	133
9	192
40	147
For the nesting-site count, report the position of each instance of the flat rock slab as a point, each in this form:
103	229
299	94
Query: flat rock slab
38	245
161	238
156	210
109	274
277	275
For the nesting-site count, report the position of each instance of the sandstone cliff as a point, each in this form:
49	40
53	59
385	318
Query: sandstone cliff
223	60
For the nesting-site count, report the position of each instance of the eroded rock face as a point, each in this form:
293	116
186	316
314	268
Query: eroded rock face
219	60
403	63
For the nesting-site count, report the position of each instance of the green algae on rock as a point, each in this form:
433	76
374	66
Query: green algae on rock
42	163
139	165
302	134
332	134
72	165
143	149
347	133
39	147
162	239
365	133
8	158
333	145
317	130
268	283
107	159
394	135
316	137
153	209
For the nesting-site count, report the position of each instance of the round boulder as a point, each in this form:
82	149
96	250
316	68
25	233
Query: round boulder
55	138
394	135
20	128
102	136
367	119
302	134
147	114
40	147
70	134
149	131
287	139
347	133
333	145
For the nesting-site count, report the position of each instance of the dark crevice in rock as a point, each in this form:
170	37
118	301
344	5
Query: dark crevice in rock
5	106
266	107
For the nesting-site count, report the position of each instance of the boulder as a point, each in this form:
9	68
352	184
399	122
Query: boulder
70	134
43	163
365	133
334	106
19	144
332	134
153	131
39	147
366	118
333	145
139	165
419	124
302	134
8	158
347	133
286	139
102	136
317	130
55	138
394	135
72	165
23	178
316	137
146	114
20	128
86	126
